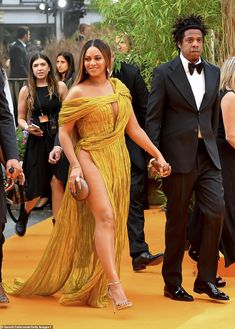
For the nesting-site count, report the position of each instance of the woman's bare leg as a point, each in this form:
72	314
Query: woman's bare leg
29	205
57	189
102	210
41	203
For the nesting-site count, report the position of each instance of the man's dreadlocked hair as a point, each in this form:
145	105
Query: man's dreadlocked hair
184	23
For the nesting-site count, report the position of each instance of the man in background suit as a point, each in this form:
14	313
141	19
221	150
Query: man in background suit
139	249
182	119
19	63
10	154
18	54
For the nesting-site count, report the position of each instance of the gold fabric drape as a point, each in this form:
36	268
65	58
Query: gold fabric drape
70	263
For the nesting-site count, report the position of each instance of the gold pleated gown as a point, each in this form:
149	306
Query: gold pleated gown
69	263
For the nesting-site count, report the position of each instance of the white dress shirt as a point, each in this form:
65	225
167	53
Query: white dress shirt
197	83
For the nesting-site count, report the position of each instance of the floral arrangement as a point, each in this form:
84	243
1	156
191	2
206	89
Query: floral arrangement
22	136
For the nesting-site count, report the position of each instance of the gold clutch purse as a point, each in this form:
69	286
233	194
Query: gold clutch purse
80	194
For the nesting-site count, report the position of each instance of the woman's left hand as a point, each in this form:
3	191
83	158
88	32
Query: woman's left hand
76	173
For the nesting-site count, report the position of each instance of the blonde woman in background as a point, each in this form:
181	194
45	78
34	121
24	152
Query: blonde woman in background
226	147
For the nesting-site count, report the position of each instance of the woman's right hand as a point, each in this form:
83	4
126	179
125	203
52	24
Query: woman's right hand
159	166
75	174
31	130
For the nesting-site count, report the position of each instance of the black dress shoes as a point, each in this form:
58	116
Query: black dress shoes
194	255
177	293
20	227
146	259
209	288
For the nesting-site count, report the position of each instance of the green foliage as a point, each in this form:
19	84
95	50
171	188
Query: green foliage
21	136
149	23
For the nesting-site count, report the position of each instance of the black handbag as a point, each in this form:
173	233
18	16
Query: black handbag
15	192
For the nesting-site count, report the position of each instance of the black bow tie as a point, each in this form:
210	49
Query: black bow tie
198	67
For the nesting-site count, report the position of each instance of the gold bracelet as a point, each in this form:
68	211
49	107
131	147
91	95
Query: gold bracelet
150	163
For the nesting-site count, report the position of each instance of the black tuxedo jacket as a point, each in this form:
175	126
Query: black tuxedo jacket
18	61
173	118
131	77
7	128
7	145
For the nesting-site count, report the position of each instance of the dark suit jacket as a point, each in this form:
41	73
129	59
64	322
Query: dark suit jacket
7	142
18	61
173	118
131	77
7	128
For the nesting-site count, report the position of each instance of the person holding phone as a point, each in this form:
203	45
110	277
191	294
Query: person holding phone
41	100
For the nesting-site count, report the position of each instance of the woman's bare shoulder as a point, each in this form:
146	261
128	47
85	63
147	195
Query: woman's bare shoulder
24	91
228	99
77	91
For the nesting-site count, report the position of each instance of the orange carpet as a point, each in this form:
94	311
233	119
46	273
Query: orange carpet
151	310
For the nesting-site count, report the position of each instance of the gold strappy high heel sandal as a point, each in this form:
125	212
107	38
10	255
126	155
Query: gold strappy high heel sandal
3	297
121	305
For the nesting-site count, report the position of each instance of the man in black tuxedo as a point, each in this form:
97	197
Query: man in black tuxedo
18	54
139	249
182	118
10	154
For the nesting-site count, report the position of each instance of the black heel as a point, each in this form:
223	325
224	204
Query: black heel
53	221
22	222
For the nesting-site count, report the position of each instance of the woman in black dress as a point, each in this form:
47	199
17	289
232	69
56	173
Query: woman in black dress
65	70
226	147
40	100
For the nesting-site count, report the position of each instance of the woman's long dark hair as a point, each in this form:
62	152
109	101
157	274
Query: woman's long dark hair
71	67
51	79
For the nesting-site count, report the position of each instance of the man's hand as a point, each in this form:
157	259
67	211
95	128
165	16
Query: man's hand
14	169
159	167
55	154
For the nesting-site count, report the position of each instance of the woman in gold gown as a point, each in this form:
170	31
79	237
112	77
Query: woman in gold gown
83	255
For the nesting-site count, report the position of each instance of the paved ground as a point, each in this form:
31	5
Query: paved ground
35	217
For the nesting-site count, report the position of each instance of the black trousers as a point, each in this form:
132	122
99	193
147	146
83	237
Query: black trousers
206	181
195	227
2	219
135	223
2	239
